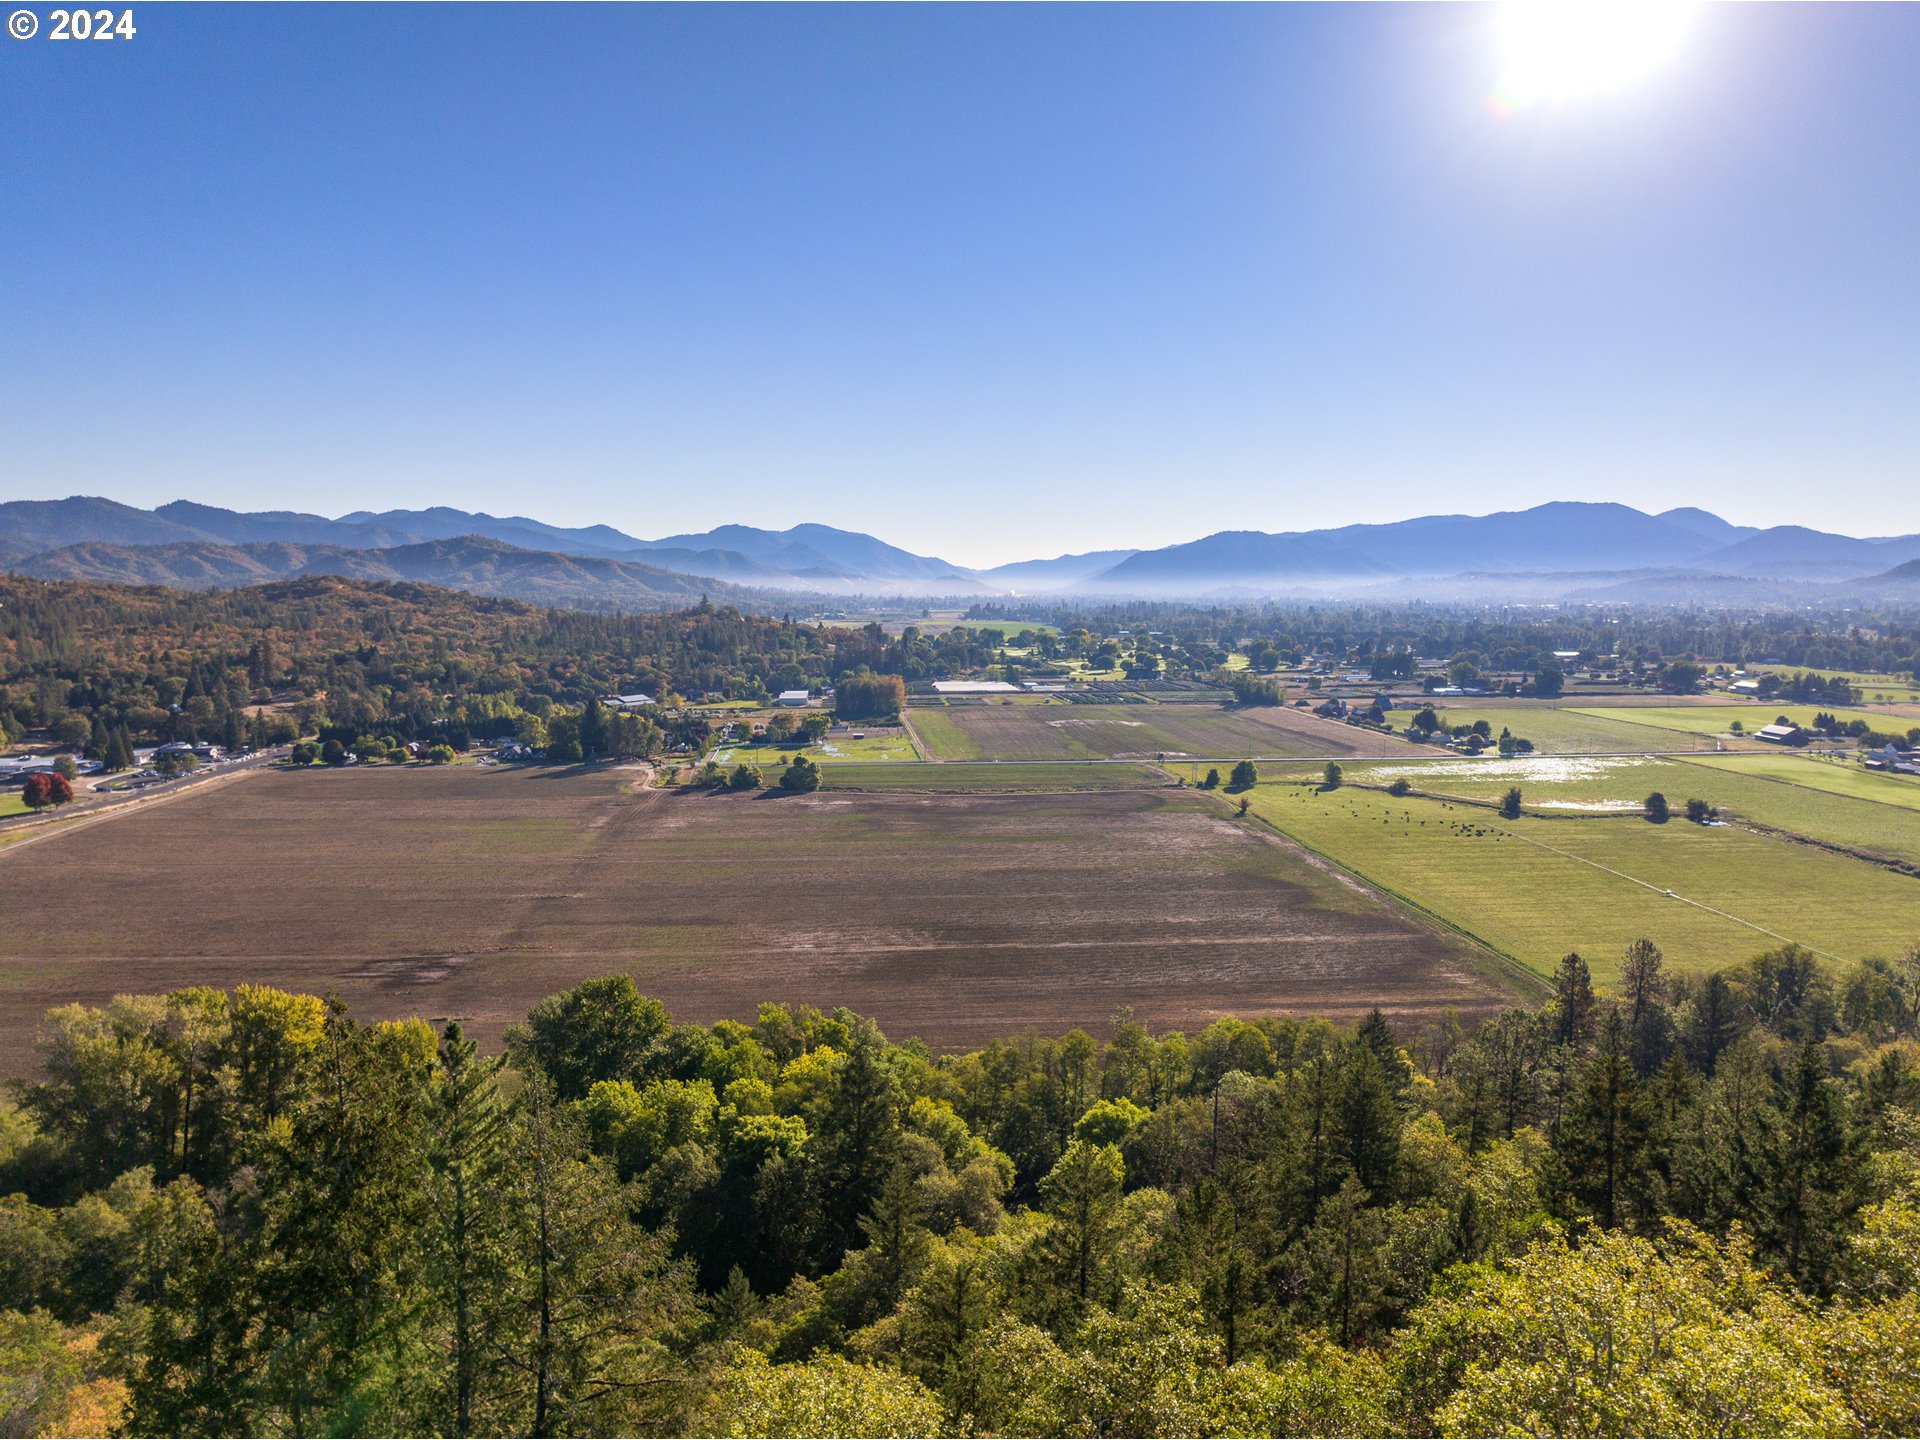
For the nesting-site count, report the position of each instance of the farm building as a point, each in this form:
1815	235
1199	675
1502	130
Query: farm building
626	702
201	752
974	687
1781	734
794	697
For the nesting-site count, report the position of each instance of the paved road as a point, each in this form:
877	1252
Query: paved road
102	804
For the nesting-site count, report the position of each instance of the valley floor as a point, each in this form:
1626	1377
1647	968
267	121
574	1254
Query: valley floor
474	891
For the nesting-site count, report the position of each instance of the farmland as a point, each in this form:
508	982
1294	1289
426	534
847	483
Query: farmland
1837	777
1872	685
1012	775
881	746
1090	732
1538	886
1716	719
1560	731
1574	785
474	891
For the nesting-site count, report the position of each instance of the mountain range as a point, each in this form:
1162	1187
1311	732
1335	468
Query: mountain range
1564	549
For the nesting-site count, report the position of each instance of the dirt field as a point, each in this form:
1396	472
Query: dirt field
473	893
1088	732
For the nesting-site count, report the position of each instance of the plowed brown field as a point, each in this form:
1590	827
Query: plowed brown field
474	892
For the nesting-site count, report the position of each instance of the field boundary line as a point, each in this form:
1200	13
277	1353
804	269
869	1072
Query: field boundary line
913	739
1810	789
1671	894
1510	967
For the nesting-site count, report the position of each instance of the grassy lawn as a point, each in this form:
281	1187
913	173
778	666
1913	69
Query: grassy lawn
975	779
12	804
1714	719
1535	888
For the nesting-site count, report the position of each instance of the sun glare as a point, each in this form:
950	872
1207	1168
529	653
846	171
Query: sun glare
1552	50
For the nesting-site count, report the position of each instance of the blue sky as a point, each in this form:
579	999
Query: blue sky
989	282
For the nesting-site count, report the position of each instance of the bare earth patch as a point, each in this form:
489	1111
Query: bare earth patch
471	892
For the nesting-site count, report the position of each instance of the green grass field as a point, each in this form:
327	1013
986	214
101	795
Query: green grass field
1714	719
974	779
1870	685
943	735
1836	777
1565	731
12	804
1535	888
1572	786
879	746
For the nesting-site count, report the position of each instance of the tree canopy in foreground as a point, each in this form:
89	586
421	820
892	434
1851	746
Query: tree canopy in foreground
1685	1208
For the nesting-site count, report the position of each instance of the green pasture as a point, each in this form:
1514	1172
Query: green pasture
1869	684
1715	719
1562	787
976	779
879	746
1561	731
1535	888
1815	772
11	803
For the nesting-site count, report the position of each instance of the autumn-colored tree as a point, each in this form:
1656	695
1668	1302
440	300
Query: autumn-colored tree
45	788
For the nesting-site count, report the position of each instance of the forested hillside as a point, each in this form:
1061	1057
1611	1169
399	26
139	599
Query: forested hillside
81	660
1687	1208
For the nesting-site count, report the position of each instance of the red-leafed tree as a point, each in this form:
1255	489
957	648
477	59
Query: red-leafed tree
45	789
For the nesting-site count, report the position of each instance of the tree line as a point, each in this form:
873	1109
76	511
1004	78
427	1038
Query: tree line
102	667
1678	1205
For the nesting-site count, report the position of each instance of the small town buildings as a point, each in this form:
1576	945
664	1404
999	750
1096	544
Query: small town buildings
200	751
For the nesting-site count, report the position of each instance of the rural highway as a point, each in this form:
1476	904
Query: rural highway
104	805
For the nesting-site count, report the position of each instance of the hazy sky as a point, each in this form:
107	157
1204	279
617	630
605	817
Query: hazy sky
989	282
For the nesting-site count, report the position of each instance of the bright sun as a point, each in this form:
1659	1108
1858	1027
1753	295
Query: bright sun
1567	49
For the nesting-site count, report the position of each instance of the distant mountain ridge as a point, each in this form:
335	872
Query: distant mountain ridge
1558	549
1570	537
474	563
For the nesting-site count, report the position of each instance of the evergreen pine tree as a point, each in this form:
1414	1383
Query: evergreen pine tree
1573	1000
469	1244
1602	1138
